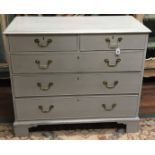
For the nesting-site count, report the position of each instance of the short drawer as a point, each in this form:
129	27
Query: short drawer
54	108
76	84
111	42
43	43
77	62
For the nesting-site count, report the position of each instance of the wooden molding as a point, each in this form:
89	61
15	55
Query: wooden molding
3	22
150	63
149	73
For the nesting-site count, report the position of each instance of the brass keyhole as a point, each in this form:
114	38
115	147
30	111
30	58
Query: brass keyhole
77	99
78	57
78	78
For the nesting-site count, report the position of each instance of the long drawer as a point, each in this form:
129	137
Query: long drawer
76	84
77	62
53	108
110	42
43	43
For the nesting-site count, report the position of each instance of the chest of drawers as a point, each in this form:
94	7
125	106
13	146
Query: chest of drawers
67	70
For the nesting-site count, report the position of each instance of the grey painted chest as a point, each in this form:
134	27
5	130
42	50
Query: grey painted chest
68	70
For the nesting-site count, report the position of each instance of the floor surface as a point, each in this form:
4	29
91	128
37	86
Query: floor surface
146	132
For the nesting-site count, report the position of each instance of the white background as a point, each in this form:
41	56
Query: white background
77	7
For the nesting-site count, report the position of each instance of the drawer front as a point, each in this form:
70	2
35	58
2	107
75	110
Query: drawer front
77	62
111	42
43	43
76	84
76	107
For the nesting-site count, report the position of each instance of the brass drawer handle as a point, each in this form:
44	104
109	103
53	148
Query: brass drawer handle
44	88
105	83
112	65
43	66
112	43
108	108
45	111
43	43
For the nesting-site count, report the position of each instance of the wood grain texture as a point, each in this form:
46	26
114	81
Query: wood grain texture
6	103
148	99
149	73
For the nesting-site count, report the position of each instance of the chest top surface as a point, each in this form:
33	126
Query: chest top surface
75	25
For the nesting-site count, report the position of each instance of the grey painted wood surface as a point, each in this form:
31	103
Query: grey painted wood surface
33	123
98	42
76	84
77	62
21	128
76	107
70	42
69	81
58	43
65	25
